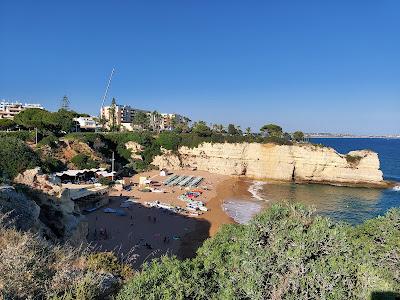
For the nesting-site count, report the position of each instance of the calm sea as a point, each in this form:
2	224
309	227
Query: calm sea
352	205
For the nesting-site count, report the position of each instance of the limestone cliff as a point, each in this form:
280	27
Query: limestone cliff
299	163
58	216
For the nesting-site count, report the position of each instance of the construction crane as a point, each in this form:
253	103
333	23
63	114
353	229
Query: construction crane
106	91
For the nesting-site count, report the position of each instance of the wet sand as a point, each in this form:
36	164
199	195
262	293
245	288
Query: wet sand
152	232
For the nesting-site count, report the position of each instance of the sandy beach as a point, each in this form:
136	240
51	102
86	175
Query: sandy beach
153	232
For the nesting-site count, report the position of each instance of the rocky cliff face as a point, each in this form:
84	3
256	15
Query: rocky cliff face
299	163
56	216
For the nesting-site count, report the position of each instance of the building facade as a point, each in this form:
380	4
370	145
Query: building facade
86	123
124	116
8	110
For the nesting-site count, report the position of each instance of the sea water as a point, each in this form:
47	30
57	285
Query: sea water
349	204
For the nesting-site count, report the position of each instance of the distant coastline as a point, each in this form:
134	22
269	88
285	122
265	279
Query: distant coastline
349	136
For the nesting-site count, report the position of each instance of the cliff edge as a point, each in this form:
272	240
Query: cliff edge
299	163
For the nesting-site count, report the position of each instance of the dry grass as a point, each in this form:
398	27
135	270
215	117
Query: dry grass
33	268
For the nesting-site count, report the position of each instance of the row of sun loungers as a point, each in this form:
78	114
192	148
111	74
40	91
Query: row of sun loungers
183	181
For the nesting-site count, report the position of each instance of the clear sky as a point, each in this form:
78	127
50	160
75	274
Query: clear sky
326	66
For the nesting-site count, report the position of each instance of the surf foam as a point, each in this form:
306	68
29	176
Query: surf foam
255	189
242	211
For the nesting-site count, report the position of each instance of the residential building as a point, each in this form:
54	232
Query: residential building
86	123
8	110
125	114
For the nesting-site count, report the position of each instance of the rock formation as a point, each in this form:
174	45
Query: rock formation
59	214
298	163
135	148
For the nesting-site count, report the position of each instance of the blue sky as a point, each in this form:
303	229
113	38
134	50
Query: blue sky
308	65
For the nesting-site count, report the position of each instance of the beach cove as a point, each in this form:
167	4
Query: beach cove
149	232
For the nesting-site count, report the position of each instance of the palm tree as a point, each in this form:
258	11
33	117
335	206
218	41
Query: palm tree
155	121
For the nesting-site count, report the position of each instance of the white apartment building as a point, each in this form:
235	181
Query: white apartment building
86	123
8	110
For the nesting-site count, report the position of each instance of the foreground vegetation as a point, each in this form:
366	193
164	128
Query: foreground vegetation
284	253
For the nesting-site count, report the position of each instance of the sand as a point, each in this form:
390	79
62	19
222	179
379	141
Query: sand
152	232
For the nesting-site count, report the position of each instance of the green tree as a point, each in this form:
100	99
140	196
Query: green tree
232	130
201	129
113	115
65	119
272	130
298	136
6	124
155	121
82	161
248	131
141	119
36	118
16	157
168	140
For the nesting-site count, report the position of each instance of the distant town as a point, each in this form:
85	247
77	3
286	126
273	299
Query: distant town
114	116
127	118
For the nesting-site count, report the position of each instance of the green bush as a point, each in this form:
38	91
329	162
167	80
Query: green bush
284	253
7	124
107	262
105	181
169	140
15	157
353	159
50	140
82	161
50	164
22	135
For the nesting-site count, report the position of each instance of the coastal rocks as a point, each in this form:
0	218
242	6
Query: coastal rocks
135	148
57	211
298	163
17	209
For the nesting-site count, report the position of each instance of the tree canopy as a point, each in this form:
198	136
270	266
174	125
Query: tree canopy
6	124
201	129
298	136
272	130
141	119
16	157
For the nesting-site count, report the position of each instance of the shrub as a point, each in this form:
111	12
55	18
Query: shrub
6	124
16	157
22	135
105	181
169	140
50	164
50	140
107	262
82	161
353	159
284	253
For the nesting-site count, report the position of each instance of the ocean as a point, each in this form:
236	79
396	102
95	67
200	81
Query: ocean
348	204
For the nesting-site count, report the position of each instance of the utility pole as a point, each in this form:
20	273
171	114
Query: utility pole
112	167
